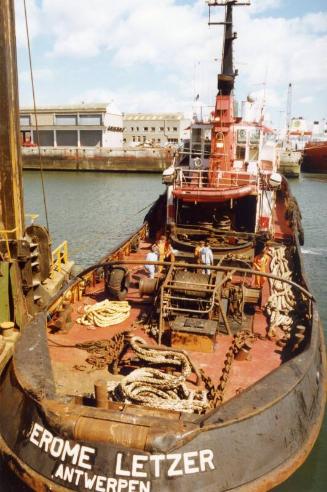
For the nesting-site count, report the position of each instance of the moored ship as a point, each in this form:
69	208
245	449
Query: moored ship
207	375
315	157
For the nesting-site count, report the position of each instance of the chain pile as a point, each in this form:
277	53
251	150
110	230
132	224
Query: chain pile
105	313
104	353
155	388
242	340
281	303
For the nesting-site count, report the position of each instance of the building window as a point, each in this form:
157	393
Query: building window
145	129
144	139
139	139
134	139
162	128
137	129
90	119
153	129
168	128
158	140
124	140
25	120
132	128
66	119
175	129
172	140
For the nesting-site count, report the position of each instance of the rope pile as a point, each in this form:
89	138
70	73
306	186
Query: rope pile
155	388
281	302
105	313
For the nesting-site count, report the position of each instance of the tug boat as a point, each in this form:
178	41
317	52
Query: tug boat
207	376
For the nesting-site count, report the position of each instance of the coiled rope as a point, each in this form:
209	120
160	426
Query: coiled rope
105	313
155	388
281	302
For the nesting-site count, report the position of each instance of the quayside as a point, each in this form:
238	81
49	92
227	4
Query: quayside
191	357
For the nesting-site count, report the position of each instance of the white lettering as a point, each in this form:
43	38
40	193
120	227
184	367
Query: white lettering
206	457
100	485
78	474
71	452
89	482
122	484
35	433
137	465
84	459
172	472
111	485
145	487
46	440
59	472
157	458
132	485
119	471
56	443
69	474
189	462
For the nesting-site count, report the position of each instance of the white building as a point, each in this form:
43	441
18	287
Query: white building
154	128
83	125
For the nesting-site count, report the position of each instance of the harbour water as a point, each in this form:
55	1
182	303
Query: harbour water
96	211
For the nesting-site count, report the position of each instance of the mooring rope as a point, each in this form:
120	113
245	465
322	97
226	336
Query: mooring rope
105	313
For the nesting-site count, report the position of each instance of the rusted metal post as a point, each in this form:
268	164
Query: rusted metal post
101	394
11	194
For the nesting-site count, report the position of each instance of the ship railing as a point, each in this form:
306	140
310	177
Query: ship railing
5	234
59	258
204	178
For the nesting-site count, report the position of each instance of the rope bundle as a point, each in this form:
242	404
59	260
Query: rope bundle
154	387
105	313
282	300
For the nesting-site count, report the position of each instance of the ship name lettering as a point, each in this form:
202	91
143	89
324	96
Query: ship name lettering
177	464
60	448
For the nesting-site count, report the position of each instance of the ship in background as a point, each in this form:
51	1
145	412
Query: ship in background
290	155
209	375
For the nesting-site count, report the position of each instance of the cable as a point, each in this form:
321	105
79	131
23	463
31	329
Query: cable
35	115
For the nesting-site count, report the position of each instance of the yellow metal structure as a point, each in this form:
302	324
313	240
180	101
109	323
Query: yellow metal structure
59	257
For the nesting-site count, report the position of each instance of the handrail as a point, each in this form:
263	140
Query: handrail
59	257
204	178
5	233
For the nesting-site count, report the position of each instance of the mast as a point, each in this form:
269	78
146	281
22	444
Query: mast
11	193
222	140
288	112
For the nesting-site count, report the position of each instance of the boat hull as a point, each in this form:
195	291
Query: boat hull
315	158
290	164
253	442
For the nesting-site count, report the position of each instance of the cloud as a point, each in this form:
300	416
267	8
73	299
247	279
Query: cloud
162	53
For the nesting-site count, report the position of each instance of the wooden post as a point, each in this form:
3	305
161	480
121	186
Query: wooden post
11	194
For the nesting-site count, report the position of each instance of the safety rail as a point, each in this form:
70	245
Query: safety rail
203	178
4	233
59	257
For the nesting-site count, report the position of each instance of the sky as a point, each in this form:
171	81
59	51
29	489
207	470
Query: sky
158	55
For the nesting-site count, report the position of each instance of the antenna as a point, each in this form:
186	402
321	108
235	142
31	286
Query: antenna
288	108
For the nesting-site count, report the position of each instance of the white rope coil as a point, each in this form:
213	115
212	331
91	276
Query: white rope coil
105	313
155	388
281	302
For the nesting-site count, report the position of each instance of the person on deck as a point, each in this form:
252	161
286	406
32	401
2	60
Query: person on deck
153	255
206	257
197	251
